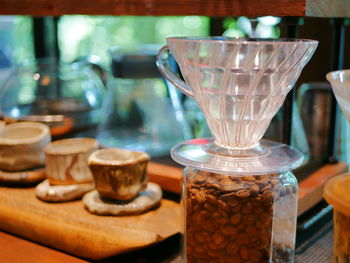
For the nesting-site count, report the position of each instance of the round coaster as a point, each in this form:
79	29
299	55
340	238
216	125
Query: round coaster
23	177
146	200
61	193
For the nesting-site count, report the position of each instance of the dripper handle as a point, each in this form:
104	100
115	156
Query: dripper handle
167	72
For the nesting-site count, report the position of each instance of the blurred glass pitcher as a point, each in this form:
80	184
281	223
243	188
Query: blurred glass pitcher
142	111
67	97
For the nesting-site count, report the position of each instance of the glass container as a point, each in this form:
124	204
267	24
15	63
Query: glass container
142	111
232	218
65	96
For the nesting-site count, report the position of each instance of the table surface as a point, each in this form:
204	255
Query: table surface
17	250
252	8
14	249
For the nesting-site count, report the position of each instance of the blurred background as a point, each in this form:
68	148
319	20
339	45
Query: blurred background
120	109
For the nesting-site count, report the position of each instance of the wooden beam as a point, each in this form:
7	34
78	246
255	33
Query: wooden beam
155	7
328	8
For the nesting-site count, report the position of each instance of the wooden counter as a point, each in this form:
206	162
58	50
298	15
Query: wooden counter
18	250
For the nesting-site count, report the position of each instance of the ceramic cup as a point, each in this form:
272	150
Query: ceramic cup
119	174
22	145
67	160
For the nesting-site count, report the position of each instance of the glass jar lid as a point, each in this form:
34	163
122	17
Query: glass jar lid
271	157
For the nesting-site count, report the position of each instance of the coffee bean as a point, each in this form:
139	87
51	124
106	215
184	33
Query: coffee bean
215	215
229	186
255	255
200	178
213	253
218	238
229	230
244	253
232	203
254	190
247	208
241	226
209	226
262	183
243	193
228	196
236	209
210	208
242	239
199	236
235	219
248	219
223	205
188	205
199	248
222	213
231	248
263	177
221	220
200	217
266	187
251	231
248	178
200	196
214	246
268	196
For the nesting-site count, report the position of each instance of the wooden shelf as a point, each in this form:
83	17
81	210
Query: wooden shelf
252	8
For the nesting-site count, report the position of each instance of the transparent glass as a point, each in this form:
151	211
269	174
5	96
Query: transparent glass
232	218
239	84
134	121
142	111
340	81
51	92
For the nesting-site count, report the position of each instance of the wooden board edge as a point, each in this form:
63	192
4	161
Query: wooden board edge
168	177
49	233
311	189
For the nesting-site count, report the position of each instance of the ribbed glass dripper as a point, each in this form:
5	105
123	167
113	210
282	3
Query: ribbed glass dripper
239	84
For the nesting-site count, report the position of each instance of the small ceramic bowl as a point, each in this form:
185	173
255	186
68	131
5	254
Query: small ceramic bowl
119	174
67	160
22	145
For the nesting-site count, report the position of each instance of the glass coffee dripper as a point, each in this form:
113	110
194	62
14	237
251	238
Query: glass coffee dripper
239	196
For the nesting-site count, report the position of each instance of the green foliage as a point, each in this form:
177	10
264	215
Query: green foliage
83	35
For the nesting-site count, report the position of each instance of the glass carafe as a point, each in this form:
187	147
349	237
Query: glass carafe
142	111
67	97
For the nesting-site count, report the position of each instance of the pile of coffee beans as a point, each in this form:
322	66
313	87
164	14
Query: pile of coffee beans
229	218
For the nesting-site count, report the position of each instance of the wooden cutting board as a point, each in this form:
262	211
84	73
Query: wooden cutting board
70	228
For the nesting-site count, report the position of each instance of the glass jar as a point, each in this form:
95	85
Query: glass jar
232	218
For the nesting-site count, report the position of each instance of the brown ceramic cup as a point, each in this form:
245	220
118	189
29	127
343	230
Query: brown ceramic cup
119	174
